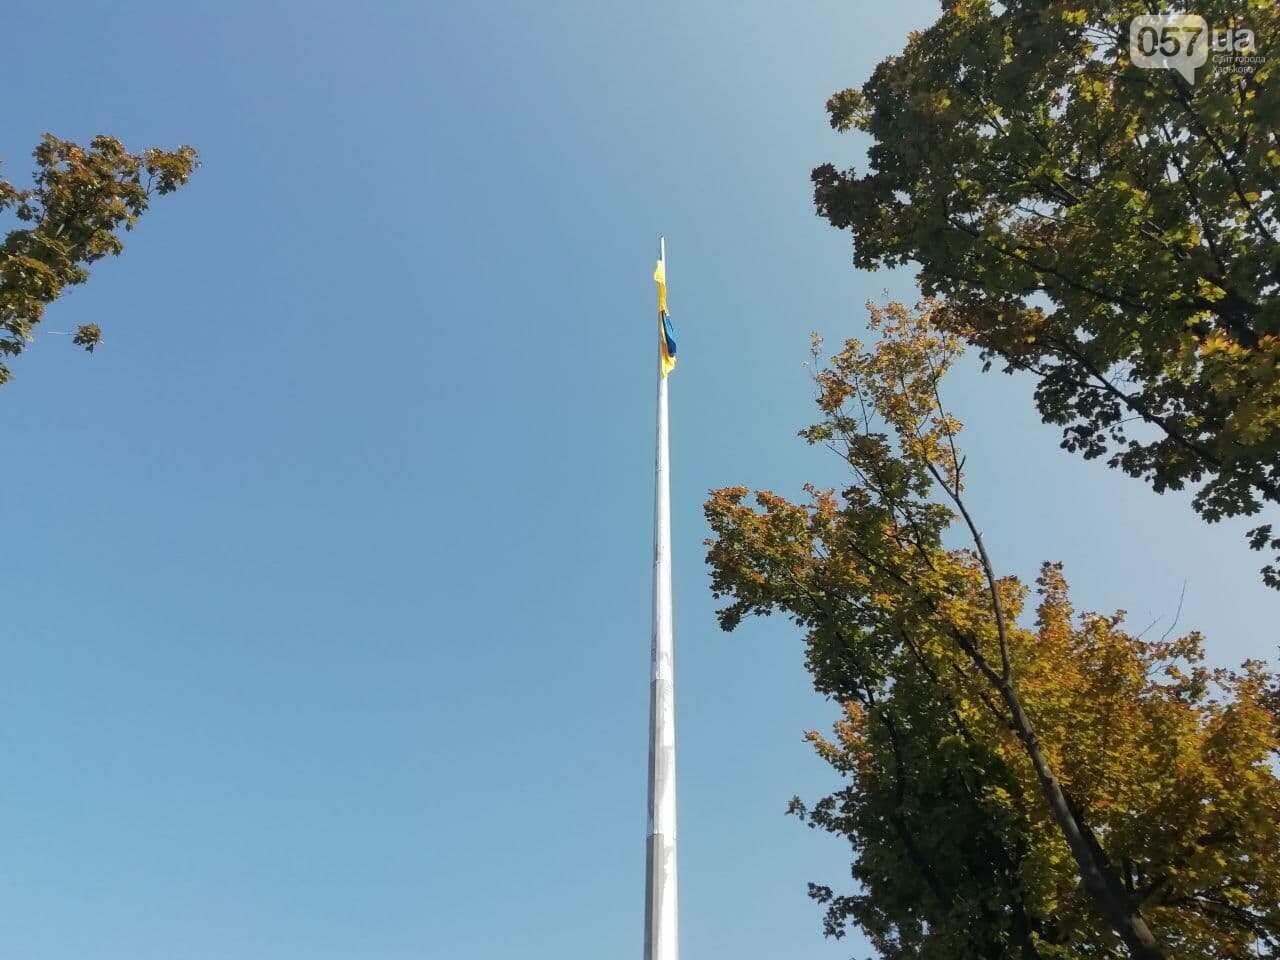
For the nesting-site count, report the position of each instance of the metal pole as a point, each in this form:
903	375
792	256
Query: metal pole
661	940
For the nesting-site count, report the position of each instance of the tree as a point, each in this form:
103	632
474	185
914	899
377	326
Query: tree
72	216
1111	229
1016	787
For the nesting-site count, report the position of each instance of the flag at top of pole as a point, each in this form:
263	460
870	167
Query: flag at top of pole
666	334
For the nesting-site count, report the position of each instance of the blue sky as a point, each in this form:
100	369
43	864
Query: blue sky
326	623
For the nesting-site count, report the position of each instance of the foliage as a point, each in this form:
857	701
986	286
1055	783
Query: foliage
1111	229
1050	786
71	216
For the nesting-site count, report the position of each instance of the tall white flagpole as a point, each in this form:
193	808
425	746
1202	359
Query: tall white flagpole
660	935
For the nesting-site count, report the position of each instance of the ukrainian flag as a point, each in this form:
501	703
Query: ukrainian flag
666	335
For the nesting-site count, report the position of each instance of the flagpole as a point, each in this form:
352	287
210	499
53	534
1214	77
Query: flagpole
660	938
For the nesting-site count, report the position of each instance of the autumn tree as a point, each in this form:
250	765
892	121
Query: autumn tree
1110	229
71	217
1018	783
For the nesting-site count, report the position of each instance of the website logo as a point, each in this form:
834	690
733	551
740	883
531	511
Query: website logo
1184	41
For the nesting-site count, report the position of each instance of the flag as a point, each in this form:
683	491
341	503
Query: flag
666	334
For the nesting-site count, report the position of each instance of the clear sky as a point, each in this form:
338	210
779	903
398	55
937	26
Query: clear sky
326	617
